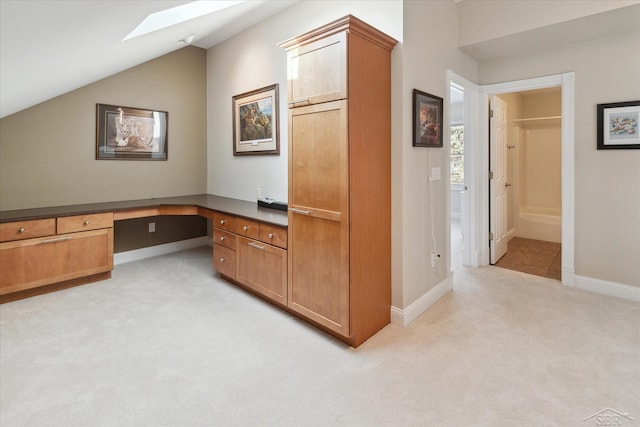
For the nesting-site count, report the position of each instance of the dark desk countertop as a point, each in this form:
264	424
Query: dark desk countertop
227	205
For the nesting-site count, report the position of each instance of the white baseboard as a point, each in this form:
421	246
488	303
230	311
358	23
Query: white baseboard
167	248
403	317
511	234
604	287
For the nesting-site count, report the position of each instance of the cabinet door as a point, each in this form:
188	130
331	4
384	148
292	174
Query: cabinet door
319	214
263	268
36	262
318	71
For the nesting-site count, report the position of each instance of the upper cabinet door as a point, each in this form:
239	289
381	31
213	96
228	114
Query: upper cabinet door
318	71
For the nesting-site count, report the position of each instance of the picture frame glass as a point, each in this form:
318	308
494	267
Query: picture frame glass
427	120
125	133
255	122
618	125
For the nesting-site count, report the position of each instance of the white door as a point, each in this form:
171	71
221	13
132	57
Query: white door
498	178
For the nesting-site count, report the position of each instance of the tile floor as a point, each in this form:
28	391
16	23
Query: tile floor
533	257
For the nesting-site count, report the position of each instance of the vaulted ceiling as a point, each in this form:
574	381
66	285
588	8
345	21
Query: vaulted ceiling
51	47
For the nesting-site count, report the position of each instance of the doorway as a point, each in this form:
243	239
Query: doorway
526	217
476	165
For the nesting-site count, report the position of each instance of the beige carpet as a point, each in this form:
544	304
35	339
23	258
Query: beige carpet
166	343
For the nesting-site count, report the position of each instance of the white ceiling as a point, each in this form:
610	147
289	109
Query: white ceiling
51	47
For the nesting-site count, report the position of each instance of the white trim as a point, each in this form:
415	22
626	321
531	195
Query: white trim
604	287
167	248
481	230
404	317
468	201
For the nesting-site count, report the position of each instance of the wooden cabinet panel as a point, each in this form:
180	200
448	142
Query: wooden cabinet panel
224	260
318	158
319	271
318	71
224	221
263	268
224	238
248	228
20	230
273	235
30	263
71	224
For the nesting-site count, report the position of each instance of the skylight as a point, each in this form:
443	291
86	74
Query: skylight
176	15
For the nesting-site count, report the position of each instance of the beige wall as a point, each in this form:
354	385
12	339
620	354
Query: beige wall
482	20
47	152
428	51
607	182
252	60
541	154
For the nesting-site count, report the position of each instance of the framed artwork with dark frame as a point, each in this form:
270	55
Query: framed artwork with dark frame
617	125
255	122
125	133
427	120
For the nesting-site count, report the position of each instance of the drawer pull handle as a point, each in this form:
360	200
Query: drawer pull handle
22	230
222	259
245	228
271	235
222	221
300	211
257	246
298	101
86	222
222	238
57	239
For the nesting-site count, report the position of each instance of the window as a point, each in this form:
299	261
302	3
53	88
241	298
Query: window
457	154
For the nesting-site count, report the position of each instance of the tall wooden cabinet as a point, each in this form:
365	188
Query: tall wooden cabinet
339	226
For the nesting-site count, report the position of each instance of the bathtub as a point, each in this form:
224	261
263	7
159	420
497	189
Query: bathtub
540	223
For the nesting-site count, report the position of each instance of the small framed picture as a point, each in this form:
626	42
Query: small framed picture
255	122
427	119
618	125
125	133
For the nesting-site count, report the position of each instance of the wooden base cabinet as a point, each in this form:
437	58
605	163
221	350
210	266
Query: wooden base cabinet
84	248
251	253
340	178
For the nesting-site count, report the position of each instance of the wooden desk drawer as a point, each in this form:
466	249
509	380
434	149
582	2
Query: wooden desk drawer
72	224
224	221
273	235
224	238
224	260
247	228
21	230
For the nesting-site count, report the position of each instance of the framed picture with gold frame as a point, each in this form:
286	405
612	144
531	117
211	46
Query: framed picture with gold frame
255	122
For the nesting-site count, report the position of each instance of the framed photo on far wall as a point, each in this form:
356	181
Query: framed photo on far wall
125	133
427	120
255	122
618	125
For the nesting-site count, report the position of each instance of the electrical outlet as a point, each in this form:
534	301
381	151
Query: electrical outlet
152	227
259	192
434	258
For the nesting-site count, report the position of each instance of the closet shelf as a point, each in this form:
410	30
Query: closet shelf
539	121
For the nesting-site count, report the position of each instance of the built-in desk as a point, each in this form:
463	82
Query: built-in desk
52	248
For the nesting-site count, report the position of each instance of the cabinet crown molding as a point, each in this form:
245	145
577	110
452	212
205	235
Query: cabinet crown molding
347	23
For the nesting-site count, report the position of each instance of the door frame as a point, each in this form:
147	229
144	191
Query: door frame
480	223
470	144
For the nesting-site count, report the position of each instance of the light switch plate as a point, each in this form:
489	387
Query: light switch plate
435	174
